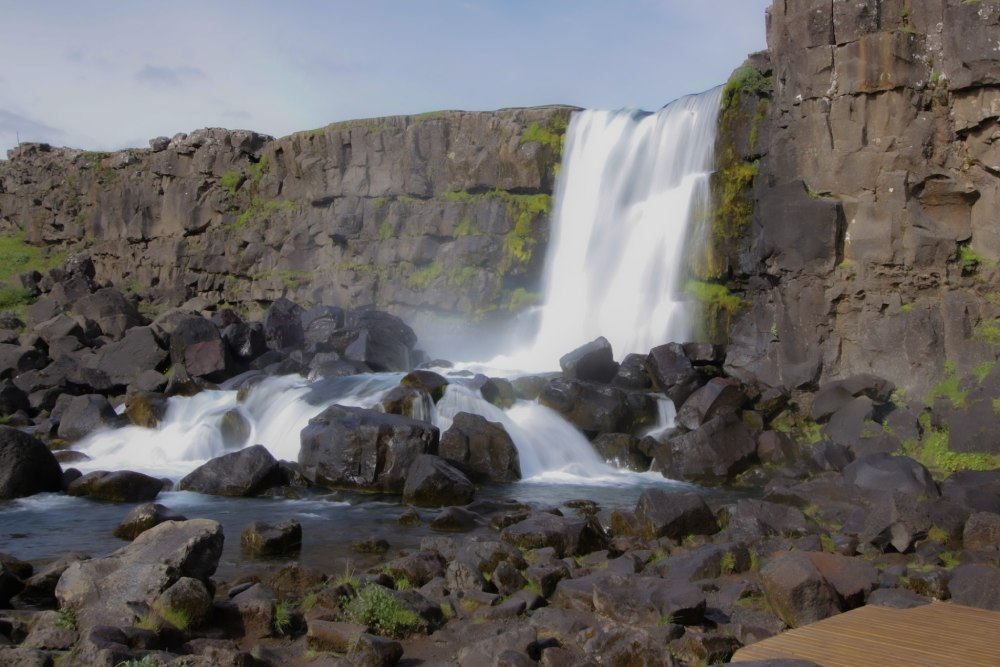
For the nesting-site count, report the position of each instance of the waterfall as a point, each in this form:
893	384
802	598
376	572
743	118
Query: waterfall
630	185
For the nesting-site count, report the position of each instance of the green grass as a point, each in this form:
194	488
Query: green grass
988	331
66	619
18	256
377	608
467	228
971	260
460	196
983	369
747	80
283	617
175	617
385	231
728	563
521	298
553	136
422	278
932	450
716	305
232	180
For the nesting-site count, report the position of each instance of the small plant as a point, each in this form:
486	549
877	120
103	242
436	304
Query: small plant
669	619
403	584
66	619
175	617
145	661
282	617
232	180
309	601
385	231
377	608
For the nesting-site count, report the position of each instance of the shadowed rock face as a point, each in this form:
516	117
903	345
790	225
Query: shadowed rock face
444	211
874	226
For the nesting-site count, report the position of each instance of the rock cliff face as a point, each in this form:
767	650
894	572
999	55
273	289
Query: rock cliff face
445	212
874	153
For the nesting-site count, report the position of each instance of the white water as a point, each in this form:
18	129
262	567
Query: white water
629	185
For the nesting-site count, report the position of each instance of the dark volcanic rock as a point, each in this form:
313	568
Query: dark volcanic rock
143	517
900	474
595	408
432	482
27	466
86	414
283	325
264	539
247	472
976	585
122	486
621	450
103	591
718	397
125	360
480	448
672	372
796	590
355	447
569	536
716	452
676	515
594	361
197	345
112	312
433	383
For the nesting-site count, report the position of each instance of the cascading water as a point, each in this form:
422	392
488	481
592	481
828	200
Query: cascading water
630	184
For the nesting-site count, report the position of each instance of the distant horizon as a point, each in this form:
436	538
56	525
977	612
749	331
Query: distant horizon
110	77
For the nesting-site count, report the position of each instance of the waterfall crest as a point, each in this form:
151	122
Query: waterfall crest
631	183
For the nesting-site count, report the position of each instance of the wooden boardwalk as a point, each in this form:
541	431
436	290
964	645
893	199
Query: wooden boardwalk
934	635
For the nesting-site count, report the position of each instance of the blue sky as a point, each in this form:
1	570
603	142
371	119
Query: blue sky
105	75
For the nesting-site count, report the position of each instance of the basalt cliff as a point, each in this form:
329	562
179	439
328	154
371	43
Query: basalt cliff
856	203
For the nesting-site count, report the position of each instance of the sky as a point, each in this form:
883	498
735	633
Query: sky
114	74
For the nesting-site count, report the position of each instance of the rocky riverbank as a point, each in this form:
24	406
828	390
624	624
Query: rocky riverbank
832	514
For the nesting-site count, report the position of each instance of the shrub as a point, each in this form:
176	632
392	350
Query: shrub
377	608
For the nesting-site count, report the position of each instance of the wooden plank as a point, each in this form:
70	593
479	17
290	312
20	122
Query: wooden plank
930	635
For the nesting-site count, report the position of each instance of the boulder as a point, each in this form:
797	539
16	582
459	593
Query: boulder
676	515
715	453
12	398
377	339
976	585
432	482
417	568
125	360
632	373
647	601
185	604
244	341
122	486
455	520
408	402
595	408
197	345
261	539
899	474
672	372
247	472
103	591
568	536
720	396
433	383
86	414
143	517
853	579
593	361
978	490
622	451
356	447
145	408
497	391
752	520
481	449
982	532
283	325
17	359
111	310
796	590
27	466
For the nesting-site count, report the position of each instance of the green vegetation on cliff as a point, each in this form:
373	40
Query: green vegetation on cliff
17	256
716	307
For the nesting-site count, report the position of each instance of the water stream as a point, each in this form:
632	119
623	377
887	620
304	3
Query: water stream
629	184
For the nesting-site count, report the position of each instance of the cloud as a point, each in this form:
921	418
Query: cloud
168	76
15	123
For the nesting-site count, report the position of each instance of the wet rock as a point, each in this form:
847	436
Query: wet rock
632	373
593	361
715	453
720	396
481	449
455	520
594	408
143	517
27	466
622	451
145	408
569	536
10	585
84	415
433	383
432	482
672	372
355	447
408	402
12	398
661	513
261	539
102	591
883	472
121	486
247	472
